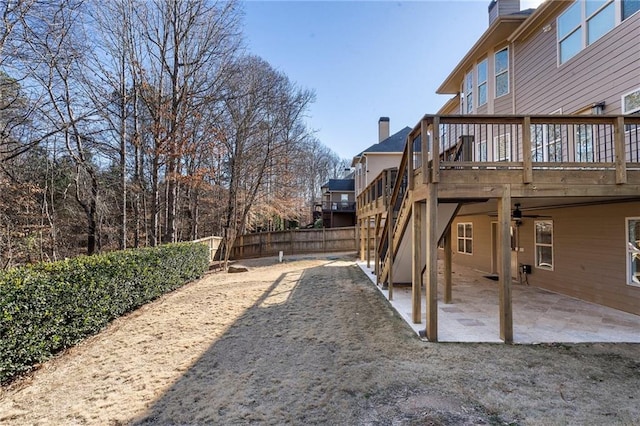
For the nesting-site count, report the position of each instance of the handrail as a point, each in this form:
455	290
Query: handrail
400	182
508	143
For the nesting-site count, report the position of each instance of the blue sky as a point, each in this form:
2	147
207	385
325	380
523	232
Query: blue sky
365	59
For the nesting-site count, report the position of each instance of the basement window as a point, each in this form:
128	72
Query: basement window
633	251
544	244
465	238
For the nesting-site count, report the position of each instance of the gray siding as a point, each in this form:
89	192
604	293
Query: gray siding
503	104
603	71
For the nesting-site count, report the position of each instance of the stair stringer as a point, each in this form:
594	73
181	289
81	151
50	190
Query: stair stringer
402	266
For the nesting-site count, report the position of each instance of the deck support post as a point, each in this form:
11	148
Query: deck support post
376	255
447	266
361	239
431	330
389	219
416	263
504	233
368	243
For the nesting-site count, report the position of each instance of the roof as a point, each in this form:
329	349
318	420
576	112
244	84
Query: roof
497	33
394	143
340	185
546	11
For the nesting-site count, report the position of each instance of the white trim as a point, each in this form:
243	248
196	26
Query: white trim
506	137
536	244
622	101
464	237
628	252
583	26
506	71
485	82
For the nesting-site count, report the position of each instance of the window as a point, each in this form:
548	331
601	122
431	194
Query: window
544	244
502	72
468	92
502	145
629	7
546	142
584	143
465	238
482	83
584	22
481	154
633	251
631	102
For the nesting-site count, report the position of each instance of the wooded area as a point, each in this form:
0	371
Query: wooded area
130	124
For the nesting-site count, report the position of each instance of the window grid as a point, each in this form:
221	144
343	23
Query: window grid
468	90
631	102
586	21
465	238
544	244
482	82
501	66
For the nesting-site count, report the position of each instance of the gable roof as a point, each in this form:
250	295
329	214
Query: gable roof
394	143
340	185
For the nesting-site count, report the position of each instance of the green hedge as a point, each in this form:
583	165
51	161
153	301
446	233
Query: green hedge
50	306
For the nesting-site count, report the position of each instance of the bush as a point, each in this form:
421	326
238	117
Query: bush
47	307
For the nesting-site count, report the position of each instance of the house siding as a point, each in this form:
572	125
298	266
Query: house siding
481	257
602	71
376	163
589	252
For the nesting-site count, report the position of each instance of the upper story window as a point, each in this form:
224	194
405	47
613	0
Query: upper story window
468	92
629	7
502	72
631	101
482	83
586	21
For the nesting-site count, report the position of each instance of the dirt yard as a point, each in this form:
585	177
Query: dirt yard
311	341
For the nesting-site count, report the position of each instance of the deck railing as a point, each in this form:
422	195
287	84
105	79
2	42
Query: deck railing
339	206
523	143
527	143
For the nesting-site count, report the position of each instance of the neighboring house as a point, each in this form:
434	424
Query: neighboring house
338	203
512	188
382	155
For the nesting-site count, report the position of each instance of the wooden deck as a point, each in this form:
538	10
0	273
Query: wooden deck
484	164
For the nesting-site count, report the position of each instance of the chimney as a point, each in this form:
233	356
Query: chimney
383	128
502	7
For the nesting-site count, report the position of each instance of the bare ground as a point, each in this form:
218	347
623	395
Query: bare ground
311	341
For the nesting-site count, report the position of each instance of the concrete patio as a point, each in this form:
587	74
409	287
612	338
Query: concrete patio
539	316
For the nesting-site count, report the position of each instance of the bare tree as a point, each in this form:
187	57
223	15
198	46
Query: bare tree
263	114
188	45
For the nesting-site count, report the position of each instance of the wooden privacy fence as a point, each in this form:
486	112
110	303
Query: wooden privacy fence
295	241
213	243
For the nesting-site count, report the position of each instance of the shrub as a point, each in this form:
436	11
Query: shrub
47	307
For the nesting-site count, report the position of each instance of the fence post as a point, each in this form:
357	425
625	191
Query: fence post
324	241
291	240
